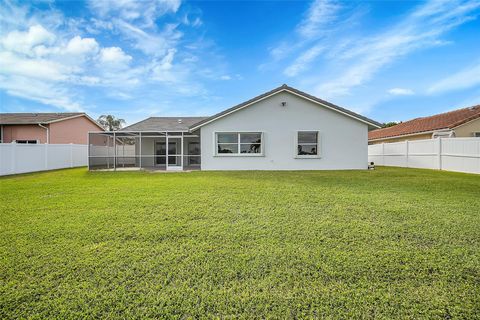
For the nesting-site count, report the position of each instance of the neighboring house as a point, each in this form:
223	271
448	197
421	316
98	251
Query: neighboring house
458	123
283	129
54	128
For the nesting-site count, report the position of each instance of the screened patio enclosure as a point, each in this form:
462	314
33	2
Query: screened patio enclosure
151	150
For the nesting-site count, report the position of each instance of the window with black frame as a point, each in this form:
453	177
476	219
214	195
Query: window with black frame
307	143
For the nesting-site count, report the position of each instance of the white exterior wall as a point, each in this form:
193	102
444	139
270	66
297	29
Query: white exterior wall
343	140
148	150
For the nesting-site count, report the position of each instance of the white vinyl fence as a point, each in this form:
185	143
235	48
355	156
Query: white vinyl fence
21	158
451	154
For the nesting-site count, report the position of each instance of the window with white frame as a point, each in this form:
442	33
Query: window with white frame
26	141
239	143
476	134
307	144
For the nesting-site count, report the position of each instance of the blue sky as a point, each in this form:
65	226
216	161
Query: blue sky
389	60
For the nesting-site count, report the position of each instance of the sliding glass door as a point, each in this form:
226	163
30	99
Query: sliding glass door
172	159
161	153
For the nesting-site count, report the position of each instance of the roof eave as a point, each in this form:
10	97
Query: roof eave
56	120
465	121
22	123
409	134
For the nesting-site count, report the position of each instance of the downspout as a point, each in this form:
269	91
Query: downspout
48	132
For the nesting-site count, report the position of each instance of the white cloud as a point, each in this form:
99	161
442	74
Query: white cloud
351	60
11	64
319	15
464	79
40	91
89	80
167	60
49	58
196	22
420	29
46	67
143	12
81	46
165	71
114	56
24	41
31	66
302	62
225	77
322	21
401	92
137	21
280	51
151	43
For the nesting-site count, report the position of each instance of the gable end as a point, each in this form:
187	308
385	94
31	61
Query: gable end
285	88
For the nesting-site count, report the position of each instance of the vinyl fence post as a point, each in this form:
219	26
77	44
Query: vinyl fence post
71	155
14	157
439	153
46	155
88	151
406	151
383	153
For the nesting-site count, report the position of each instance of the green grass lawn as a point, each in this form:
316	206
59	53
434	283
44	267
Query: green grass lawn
389	243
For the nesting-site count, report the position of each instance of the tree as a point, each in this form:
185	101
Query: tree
110	123
390	124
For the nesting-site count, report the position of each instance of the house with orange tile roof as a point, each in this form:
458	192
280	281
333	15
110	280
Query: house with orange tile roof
458	123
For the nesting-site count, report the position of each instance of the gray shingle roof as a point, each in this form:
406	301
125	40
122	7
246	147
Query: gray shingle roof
35	118
163	124
371	122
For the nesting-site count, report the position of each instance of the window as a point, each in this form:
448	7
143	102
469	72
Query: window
194	153
239	143
476	134
27	141
307	144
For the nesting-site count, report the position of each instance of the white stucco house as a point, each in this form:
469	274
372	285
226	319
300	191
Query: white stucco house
283	129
